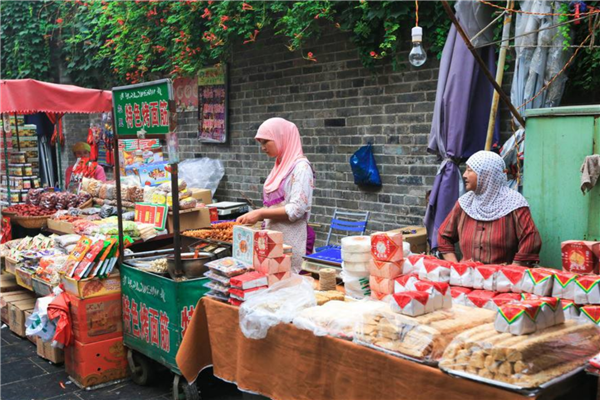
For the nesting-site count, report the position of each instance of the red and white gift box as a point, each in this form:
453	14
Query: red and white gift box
479	298
385	269
249	280
510	278
517	318
381	285
485	276
501	299
268	244
590	314
235	302
459	294
278	277
564	285
243	295
405	283
538	281
570	309
377	295
412	303
587	289
439	293
272	265
551	311
461	274
435	270
387	246
580	257
416	261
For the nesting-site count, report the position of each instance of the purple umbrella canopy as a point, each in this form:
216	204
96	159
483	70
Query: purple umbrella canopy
461	113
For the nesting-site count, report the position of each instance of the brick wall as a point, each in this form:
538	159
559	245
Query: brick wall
338	106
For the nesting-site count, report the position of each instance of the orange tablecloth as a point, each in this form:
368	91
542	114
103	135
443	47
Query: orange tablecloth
294	364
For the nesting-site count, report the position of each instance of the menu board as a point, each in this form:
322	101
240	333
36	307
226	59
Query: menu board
212	104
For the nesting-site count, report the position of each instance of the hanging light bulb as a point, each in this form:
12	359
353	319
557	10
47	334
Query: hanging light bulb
417	55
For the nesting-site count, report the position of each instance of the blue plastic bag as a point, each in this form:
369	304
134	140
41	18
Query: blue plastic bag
364	167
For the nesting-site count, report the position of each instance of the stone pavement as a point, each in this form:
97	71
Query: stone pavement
25	376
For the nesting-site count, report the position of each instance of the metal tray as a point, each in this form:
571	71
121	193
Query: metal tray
429	363
531	392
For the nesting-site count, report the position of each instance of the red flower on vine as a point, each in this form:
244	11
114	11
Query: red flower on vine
207	14
224	18
252	36
247	7
311	57
121	22
373	54
59	21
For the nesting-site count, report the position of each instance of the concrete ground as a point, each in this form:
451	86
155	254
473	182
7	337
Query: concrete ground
26	376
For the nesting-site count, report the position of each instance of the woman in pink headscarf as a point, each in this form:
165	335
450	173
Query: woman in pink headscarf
287	193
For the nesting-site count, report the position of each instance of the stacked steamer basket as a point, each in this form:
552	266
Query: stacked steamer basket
387	263
356	255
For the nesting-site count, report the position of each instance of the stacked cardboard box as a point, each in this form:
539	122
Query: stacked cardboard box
268	256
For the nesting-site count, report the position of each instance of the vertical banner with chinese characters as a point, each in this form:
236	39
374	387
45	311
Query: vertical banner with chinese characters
212	104
143	109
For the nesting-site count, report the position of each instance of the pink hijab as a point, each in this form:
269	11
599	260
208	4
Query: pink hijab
287	139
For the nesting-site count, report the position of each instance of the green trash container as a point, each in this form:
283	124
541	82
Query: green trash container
557	140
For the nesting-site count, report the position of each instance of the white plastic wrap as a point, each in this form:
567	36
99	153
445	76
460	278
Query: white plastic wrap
38	324
202	173
280	303
336	318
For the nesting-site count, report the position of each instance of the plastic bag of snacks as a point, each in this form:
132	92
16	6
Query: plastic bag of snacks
48	200
34	196
83	197
188	203
62	200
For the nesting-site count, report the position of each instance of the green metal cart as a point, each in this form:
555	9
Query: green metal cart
156	313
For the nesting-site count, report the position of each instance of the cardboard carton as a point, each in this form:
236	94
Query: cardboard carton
95	363
61	226
194	218
93	287
47	352
16	315
6	298
8	283
96	319
202	195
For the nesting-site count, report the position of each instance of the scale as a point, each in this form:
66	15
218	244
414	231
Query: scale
230	209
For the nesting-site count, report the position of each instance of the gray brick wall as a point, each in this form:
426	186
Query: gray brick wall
338	106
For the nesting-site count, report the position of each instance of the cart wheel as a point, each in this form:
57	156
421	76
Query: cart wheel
141	368
183	391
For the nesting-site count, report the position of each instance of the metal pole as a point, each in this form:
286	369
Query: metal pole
6	159
175	194
118	188
17	132
499	75
482	65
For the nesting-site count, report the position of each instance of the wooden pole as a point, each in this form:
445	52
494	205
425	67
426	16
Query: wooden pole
482	65
499	75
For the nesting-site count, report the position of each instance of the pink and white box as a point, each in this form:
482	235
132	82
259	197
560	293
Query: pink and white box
510	278
405	283
381	285
278	277
385	269
416	261
243	295
503	298
459	294
538	281
268	244
387	246
479	298
272	265
485	276
587	289
412	303
590	314
439	292
435	270
249	280
564	285
570	309
550	312
461	274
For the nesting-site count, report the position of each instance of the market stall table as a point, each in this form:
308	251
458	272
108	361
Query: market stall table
295	364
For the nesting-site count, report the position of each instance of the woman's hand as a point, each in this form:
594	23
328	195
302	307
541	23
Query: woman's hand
251	218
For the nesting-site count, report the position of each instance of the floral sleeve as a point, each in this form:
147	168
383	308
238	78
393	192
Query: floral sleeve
299	192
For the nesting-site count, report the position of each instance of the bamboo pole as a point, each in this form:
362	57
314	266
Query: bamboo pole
499	75
505	99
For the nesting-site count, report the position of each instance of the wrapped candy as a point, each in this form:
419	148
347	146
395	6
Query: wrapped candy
517	318
564	285
384	269
461	274
501	299
587	290
479	298
435	270
405	283
459	294
538	281
485	276
510	278
381	285
387	246
590	314
412	303
570	309
439	293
